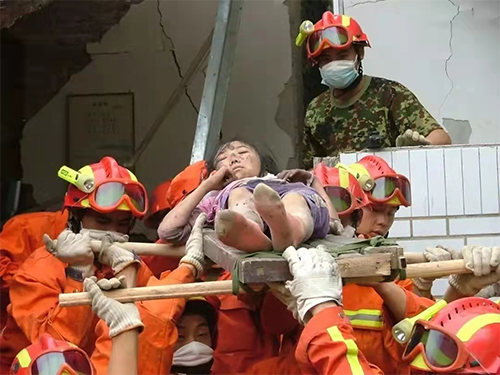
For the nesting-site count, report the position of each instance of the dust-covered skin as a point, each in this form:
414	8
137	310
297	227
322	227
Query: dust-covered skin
241	159
383	107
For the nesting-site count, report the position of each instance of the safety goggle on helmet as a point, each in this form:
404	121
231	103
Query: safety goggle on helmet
332	31
105	187
388	187
342	187
48	356
462	338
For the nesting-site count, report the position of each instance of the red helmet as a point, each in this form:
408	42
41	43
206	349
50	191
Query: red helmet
187	181
48	356
334	31
462	338
116	188
158	204
389	187
342	187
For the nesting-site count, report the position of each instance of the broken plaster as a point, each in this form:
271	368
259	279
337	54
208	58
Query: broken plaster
174	54
364	2
450	45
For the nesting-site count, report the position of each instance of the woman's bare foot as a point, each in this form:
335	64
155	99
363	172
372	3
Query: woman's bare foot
234	230
286	230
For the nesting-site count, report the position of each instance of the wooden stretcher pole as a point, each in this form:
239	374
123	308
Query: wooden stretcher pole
434	269
141	248
145	248
412	258
209	288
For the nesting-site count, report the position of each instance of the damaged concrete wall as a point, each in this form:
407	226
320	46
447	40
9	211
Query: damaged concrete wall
146	54
446	51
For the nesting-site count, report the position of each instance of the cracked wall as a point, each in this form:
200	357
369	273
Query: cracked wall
147	54
446	51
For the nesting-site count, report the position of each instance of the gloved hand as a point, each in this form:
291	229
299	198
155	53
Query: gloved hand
96	234
484	262
433	254
194	247
73	249
316	278
114	256
336	227
119	317
490	291
411	138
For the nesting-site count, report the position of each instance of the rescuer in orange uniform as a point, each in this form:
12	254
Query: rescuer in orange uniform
107	213
157	342
373	308
20	237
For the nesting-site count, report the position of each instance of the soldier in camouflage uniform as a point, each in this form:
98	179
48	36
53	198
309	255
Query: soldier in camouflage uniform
358	111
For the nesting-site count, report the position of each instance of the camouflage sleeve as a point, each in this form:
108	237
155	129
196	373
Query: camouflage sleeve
406	112
311	146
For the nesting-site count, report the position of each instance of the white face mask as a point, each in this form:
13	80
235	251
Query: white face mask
193	354
339	74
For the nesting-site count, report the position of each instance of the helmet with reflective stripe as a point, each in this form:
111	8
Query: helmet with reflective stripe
159	204
474	321
377	168
339	177
344	31
107	170
52	357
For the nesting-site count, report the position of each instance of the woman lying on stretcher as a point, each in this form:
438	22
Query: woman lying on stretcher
246	203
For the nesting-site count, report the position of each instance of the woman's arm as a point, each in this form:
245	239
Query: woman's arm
179	216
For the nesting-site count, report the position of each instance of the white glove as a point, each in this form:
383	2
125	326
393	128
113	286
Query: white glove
336	227
115	256
119	317
98	235
411	138
484	262
433	254
73	249
348	232
316	278
194	247
490	291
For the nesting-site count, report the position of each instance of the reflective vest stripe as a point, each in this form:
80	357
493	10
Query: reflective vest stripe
352	350
365	318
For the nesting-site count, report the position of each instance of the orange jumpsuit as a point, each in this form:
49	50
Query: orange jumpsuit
159	264
327	346
242	342
157	341
20	237
34	307
370	320
372	324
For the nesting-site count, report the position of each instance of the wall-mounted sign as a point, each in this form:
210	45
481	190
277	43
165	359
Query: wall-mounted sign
100	125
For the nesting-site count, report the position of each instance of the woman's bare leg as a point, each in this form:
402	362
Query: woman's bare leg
240	226
289	219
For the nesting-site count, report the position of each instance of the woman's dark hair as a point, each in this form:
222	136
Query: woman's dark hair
268	162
